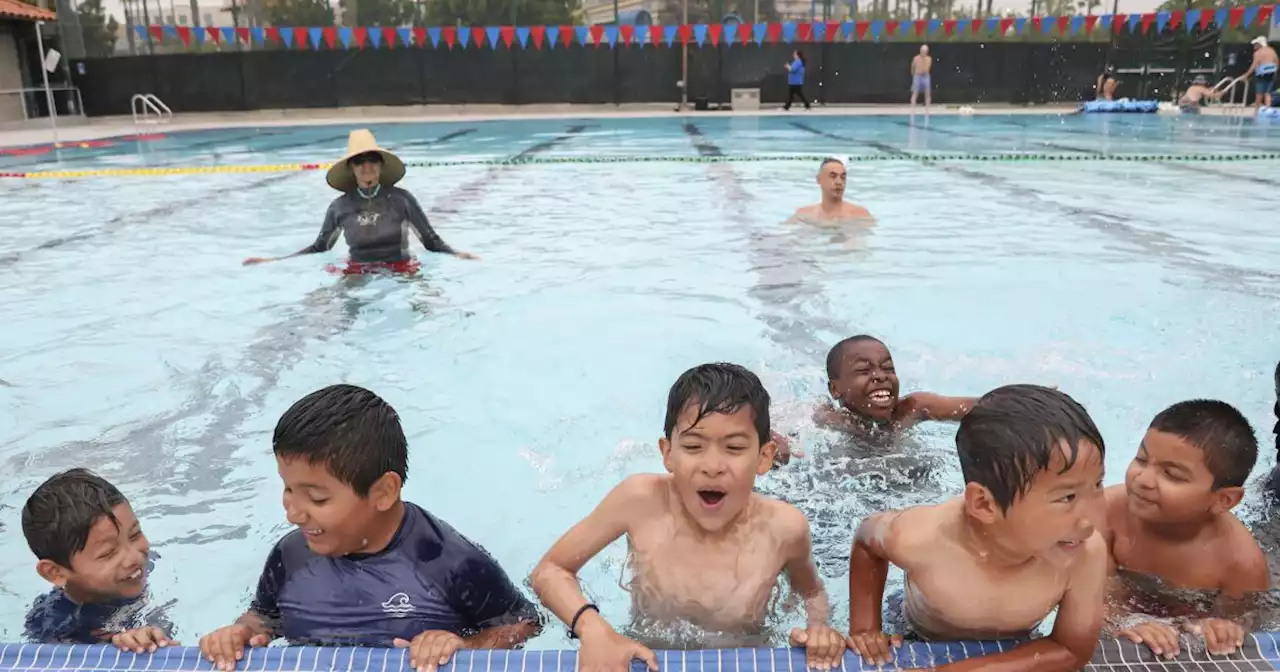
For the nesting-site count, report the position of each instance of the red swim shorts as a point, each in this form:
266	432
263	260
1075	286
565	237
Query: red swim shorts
406	267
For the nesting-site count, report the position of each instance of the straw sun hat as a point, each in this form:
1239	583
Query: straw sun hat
361	141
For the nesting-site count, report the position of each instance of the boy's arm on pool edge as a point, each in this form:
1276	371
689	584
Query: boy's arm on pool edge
930	406
555	579
802	571
1075	630
869	560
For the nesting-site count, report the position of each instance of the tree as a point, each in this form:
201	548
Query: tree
98	29
384	12
713	11
500	12
298	12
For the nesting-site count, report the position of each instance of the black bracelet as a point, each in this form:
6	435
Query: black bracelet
573	625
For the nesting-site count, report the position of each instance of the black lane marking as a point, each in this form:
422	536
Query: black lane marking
452	201
1161	245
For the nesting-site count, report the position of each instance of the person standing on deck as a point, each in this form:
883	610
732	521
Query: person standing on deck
921	66
795	80
1264	70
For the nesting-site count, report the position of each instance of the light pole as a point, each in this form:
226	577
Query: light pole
44	72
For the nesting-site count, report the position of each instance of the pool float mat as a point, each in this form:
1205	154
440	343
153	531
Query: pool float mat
1124	106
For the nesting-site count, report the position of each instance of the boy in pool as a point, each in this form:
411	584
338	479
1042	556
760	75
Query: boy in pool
365	567
1172	517
90	545
705	549
862	380
994	562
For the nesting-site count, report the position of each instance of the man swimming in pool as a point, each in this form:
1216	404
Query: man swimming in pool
1196	95
832	178
1264	70
921	67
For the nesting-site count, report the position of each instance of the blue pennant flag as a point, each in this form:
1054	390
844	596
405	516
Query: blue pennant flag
1250	13
1019	23
1193	19
344	35
759	31
700	33
464	36
788	31
316	34
434	34
259	35
642	34
406	36
993	24
1134	19
199	34
553	34
375	37
141	31
1162	20
877	27
962	26
493	32
522	34
1106	21
1077	22
669	33
584	34
1047	23
611	34
730	33
846	30
229	35
286	36
934	25
819	31
171	32
1221	18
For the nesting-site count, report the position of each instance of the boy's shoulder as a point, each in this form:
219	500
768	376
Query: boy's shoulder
779	516
639	488
1247	565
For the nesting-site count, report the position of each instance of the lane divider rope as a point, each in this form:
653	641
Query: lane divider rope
568	160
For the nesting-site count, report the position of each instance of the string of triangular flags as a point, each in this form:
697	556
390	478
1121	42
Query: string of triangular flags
701	34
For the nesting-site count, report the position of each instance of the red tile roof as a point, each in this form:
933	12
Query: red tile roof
16	9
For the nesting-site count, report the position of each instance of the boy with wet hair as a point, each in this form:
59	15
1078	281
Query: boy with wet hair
863	382
1172	518
994	562
89	545
365	567
705	550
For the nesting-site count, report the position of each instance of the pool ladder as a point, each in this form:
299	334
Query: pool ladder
1228	87
148	109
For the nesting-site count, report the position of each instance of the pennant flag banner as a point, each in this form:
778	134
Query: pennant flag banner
759	32
376	35
1162	20
522	34
1077	22
628	34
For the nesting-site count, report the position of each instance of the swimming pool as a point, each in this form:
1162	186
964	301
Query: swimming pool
531	382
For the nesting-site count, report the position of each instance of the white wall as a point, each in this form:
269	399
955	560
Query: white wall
10	71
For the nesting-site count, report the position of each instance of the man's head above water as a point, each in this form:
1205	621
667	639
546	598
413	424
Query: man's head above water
833	177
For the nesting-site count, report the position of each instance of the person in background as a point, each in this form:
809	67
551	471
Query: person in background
795	80
1105	89
1263	68
1196	95
921	78
364	567
833	176
90	545
373	214
1172	519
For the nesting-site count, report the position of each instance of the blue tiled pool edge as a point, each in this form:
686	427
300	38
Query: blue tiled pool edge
1261	652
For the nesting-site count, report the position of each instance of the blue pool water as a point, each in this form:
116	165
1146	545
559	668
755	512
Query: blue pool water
531	382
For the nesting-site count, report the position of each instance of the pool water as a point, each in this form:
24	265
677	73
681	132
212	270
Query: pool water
531	382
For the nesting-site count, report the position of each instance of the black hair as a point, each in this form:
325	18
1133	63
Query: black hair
1013	433
58	516
829	159
719	388
1276	411
369	156
837	351
350	430
800	55
1222	432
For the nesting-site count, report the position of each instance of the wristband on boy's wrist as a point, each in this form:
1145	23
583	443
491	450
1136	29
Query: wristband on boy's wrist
573	624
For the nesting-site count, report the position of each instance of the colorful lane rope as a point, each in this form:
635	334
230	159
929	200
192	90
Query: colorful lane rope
564	160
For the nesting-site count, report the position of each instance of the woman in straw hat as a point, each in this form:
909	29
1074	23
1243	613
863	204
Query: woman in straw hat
373	214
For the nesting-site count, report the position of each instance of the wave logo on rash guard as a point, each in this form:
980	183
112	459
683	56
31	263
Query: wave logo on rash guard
369	219
398	605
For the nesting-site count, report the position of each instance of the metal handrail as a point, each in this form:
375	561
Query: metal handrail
1226	88
26	116
145	106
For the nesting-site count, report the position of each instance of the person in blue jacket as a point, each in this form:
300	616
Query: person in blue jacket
795	80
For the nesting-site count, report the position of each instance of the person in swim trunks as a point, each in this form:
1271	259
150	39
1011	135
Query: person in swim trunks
1106	86
921	66
1263	69
373	214
1196	95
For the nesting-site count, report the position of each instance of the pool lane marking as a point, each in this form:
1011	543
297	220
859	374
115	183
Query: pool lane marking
1157	243
451	201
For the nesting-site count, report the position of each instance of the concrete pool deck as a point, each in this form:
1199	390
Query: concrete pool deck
81	129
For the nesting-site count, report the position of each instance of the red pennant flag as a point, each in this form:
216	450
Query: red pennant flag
1005	23
331	37
891	27
539	33
419	36
566	36
1064	24
216	35
655	34
920	27
299	37
1118	21
1089	22
450	35
184	34
1264	15
861	28
1175	19
976	25
686	33
773	32
157	33
1146	21
597	34
744	34
508	35
389	36
360	34
833	29
1035	25
1205	17
628	33
804	32
477	36
949	26
273	34
243	34
1234	16
714	31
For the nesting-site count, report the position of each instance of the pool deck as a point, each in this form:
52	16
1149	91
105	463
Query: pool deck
80	129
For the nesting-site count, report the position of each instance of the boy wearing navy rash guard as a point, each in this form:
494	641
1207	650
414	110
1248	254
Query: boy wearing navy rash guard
364	567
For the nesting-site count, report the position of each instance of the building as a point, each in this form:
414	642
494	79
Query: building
17	53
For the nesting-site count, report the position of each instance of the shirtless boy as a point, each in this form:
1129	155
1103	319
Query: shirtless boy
921	66
705	549
994	562
1172	518
864	384
832	178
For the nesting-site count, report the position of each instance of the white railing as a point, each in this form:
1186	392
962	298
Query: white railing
1227	87
148	109
70	95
